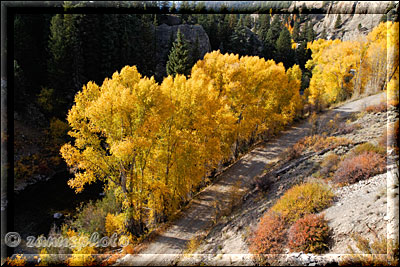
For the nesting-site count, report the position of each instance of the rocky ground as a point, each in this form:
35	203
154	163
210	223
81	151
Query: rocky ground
359	208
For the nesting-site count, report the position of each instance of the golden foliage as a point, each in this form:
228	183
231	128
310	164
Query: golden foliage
115	224
367	65
303	199
153	144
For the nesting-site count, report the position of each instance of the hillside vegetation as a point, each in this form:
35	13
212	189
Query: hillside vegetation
155	143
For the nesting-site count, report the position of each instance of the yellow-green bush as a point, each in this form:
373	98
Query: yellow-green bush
92	217
368	147
303	199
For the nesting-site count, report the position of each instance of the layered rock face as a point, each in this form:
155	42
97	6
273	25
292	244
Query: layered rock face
163	39
358	17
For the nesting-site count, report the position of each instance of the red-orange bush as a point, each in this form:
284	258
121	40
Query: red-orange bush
360	167
309	234
270	236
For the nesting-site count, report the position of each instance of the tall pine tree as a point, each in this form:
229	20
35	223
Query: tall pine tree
284	48
178	60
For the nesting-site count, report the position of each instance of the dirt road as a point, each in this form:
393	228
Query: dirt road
167	248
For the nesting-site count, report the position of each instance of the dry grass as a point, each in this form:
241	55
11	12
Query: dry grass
379	252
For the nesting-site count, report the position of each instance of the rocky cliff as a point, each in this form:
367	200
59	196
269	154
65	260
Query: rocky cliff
358	17
166	33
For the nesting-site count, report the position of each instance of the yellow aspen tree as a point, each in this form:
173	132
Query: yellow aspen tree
333	66
115	127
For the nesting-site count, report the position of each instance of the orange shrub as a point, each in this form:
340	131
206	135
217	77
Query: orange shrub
309	234
303	199
361	167
270	236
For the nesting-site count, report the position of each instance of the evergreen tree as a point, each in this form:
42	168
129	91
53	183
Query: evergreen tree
184	10
164	6
148	44
200	7
264	24
284	48
178	59
338	22
274	30
272	36
303	32
239	40
196	51
172	9
310	34
248	21
296	32
302	55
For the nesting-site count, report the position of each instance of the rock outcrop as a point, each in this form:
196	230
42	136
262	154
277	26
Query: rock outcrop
358	17
163	39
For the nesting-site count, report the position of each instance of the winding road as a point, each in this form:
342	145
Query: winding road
168	247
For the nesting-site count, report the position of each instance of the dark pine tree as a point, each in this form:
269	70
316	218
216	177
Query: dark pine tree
310	33
296	32
239	40
284	48
178	60
272	36
264	24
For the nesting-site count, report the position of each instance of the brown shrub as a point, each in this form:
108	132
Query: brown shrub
270	236
309	234
360	167
346	128
263	182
